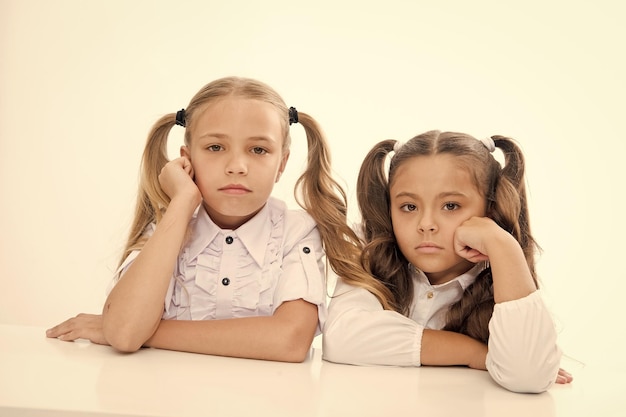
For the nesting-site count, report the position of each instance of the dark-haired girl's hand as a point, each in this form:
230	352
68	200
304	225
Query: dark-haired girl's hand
472	238
481	239
564	377
83	326
176	179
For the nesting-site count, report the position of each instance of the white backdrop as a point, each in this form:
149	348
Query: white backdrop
81	82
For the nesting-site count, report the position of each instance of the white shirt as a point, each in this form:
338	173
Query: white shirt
523	355
275	257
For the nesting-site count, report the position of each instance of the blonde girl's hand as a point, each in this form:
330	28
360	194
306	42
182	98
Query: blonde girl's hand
176	179
83	326
472	237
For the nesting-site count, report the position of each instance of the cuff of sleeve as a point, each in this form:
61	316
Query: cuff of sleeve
532	299
417	358
523	354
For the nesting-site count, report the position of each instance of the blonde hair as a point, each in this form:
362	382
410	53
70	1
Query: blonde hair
503	189
315	190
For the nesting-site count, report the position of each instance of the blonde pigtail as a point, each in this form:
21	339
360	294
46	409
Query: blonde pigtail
325	200
151	199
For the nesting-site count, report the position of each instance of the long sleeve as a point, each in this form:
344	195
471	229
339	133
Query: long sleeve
523	354
358	331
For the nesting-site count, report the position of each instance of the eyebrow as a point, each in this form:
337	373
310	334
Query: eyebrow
441	195
225	136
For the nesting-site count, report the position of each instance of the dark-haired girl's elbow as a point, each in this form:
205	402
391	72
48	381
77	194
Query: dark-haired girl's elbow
523	377
335	345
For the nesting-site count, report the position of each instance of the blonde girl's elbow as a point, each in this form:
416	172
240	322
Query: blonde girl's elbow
297	342
120	340
298	354
120	337
126	347
124	340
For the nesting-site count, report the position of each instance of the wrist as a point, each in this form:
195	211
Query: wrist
501	241
477	357
445	348
184	205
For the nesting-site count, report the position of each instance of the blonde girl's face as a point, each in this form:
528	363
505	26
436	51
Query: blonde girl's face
430	197
236	155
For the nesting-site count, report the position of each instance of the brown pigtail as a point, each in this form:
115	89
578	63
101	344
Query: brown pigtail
381	256
507	206
511	201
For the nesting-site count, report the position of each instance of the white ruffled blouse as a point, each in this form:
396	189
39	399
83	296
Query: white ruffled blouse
275	257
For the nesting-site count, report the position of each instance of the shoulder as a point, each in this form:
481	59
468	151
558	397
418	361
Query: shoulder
296	223
355	293
293	219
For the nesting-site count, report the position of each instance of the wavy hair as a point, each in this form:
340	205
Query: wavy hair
505	195
315	190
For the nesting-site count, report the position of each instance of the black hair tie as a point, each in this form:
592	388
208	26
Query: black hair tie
293	115
180	118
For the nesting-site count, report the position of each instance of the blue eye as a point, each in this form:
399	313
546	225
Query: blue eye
450	206
214	148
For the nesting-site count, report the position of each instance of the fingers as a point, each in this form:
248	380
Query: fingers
69	336
182	162
176	178
83	326
187	166
61	329
471	255
178	163
564	377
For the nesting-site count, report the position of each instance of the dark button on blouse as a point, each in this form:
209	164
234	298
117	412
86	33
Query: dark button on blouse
229	239
225	281
306	249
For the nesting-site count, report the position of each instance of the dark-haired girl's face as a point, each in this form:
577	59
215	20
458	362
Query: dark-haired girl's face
236	152
430	197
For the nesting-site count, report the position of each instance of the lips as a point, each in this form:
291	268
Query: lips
428	247
235	189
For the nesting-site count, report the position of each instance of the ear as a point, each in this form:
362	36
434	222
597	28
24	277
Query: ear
184	151
283	164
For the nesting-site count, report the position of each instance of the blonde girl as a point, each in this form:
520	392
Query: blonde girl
213	263
451	265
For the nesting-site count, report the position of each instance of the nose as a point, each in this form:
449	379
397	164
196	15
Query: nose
427	224
236	164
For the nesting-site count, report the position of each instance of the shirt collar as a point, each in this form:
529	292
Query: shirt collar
203	231
254	234
463	280
469	277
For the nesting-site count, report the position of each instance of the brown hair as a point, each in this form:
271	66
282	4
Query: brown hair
503	189
316	191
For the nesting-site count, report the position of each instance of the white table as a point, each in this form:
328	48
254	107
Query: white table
48	377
